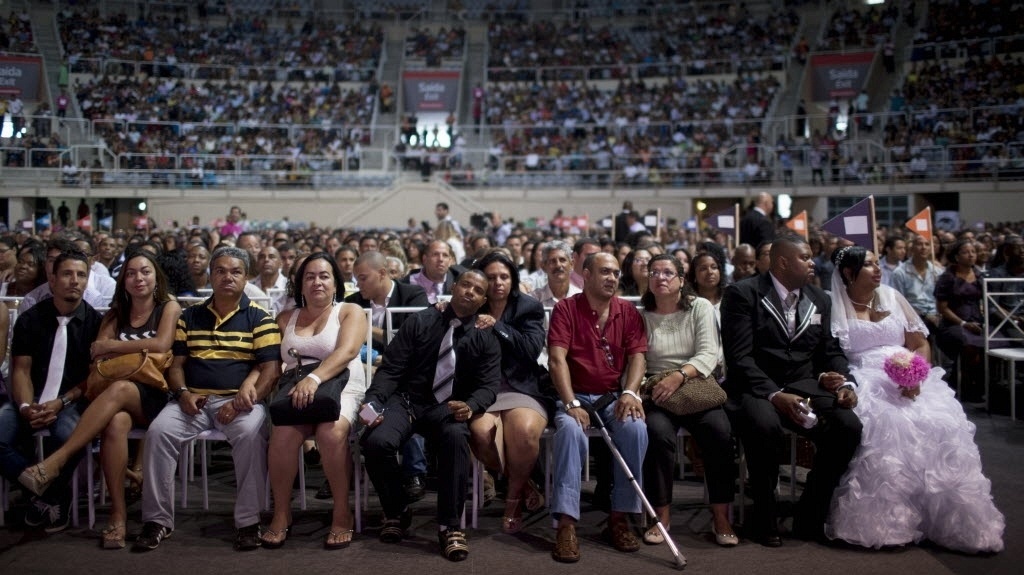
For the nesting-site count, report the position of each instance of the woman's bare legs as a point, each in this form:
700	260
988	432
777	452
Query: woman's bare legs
332	441
283	461
114	460
482	431
121	396
522	428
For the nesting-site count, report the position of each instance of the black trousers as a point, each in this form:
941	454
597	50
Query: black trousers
760	428
713	434
450	441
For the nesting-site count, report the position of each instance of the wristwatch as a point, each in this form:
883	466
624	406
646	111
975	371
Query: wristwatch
64	402
572	404
176	393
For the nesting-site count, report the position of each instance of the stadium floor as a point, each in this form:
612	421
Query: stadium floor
202	539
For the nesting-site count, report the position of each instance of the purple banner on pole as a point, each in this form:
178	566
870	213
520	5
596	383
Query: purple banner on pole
725	221
856	224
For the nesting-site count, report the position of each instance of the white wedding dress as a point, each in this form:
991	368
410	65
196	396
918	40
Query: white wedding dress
917	474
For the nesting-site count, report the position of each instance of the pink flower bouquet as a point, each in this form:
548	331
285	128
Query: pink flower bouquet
906	369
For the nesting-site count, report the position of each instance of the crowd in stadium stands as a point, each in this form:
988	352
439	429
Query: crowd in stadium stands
966	105
726	40
444	44
16	36
678	124
318	50
330	118
852	27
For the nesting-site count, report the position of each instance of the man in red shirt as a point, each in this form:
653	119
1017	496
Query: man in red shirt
596	345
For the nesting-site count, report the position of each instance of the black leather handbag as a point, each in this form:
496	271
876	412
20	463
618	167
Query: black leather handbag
326	404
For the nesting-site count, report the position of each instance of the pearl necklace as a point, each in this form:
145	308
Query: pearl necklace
871	302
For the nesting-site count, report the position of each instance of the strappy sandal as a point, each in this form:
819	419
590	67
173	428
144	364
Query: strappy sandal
36	479
453	544
534	499
512	523
653	536
277	538
338	539
113	536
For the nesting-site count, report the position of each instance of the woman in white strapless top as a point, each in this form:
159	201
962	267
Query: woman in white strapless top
322	328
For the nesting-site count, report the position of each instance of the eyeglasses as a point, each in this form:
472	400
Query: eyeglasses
607	352
665	275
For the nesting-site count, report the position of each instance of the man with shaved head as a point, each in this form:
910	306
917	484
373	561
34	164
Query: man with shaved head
377	291
270	279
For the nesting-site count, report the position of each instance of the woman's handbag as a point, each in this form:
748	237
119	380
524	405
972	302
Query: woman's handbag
326	404
696	394
143	367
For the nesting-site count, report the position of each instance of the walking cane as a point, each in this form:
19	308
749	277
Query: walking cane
596	421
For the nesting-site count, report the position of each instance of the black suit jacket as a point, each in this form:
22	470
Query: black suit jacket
522	336
755	228
411	360
406	295
760	356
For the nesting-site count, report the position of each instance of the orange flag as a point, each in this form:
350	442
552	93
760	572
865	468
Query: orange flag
921	224
798	224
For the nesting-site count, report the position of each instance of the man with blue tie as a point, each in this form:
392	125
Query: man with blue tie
437	372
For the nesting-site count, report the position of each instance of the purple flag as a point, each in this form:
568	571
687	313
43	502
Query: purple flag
727	221
856	224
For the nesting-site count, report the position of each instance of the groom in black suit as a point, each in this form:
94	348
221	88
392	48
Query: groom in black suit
780	353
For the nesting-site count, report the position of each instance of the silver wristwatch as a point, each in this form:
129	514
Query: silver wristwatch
572	404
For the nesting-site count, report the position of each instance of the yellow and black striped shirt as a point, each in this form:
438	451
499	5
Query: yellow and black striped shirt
222	351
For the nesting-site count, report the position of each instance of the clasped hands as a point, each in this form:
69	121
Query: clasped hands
41	415
244	400
795	408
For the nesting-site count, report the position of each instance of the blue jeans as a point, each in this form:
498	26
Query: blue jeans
571	448
17	448
414	457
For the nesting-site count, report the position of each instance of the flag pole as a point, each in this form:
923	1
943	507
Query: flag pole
874	225
736	216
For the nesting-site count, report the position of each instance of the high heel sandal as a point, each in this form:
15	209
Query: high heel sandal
534	498
512	524
113	536
36	479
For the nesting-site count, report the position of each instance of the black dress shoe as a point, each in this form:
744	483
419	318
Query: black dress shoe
415	488
768	537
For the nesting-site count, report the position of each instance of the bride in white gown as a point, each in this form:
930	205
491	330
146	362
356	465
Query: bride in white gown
917	474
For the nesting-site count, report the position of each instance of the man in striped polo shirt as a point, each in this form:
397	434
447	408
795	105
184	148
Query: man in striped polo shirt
227	356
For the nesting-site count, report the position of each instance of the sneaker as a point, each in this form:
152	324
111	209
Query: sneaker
52	517
248	538
152	534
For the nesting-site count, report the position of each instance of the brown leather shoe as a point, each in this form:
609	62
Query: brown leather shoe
567	547
621	536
